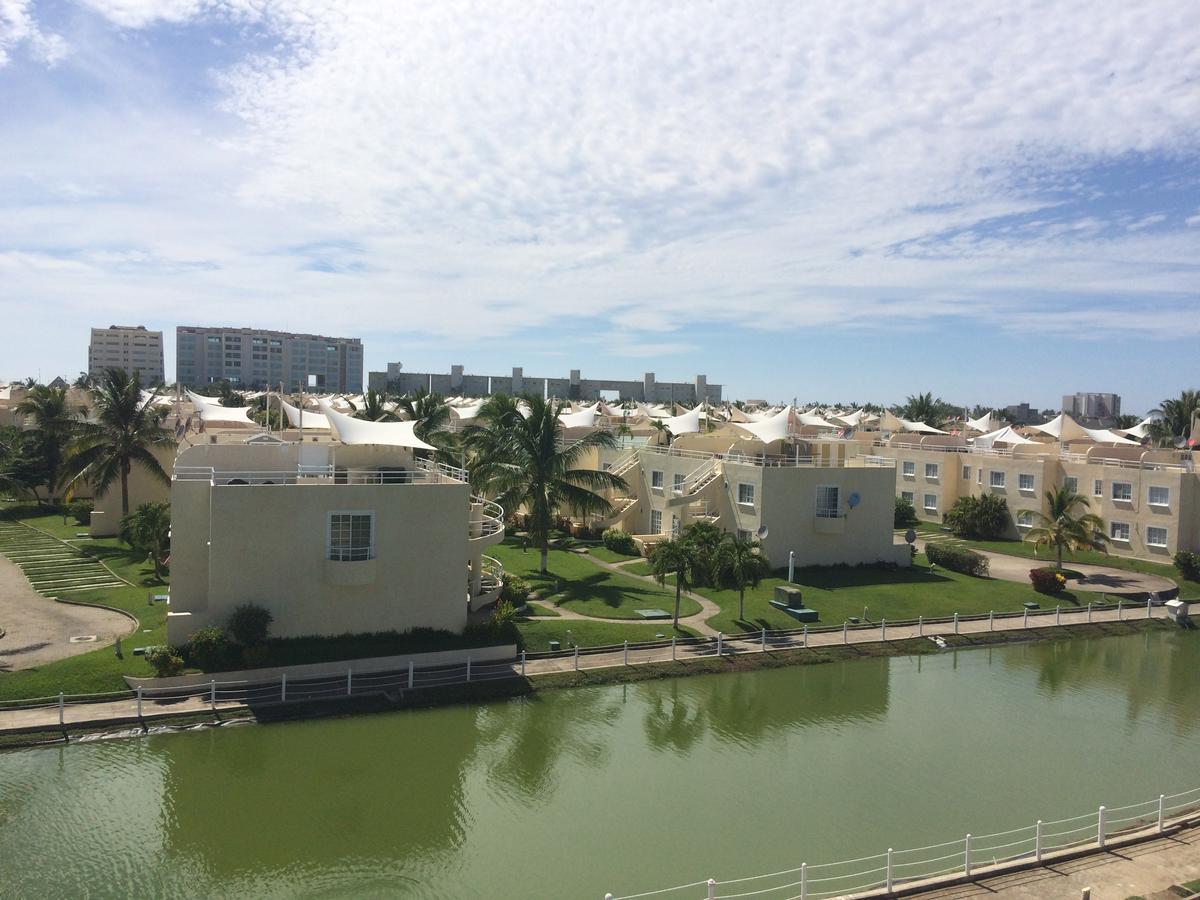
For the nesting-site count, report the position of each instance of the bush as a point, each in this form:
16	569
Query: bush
249	624
957	559
1048	581
209	650
503	615
81	511
983	518
1188	564
906	514
165	661
515	590
619	541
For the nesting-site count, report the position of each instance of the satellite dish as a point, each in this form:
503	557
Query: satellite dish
910	536
763	531
1180	442
853	500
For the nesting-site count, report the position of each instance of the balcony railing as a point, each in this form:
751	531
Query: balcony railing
422	474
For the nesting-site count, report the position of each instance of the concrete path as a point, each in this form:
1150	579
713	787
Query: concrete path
39	630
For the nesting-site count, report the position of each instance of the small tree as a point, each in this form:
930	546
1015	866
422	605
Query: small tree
742	564
166	661
1068	527
983	518
249	624
148	529
674	558
906	514
705	538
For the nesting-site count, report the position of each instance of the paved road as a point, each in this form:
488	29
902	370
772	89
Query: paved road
38	630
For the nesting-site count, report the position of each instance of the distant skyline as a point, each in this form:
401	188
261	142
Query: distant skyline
838	201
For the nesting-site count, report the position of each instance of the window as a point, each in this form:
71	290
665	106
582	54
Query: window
656	480
351	536
909	468
744	534
1160	496
1097	488
966	476
1119	531
907	495
996	479
678	486
745	493
1024	518
1071	483
1156	536
1122	490
931	470
828	501
931	503
1024	482
655	521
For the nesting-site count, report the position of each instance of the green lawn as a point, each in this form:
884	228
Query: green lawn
601	552
541	609
538	634
838	593
576	583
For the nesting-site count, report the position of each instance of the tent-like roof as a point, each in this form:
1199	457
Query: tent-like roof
466	412
310	420
1005	435
1139	431
814	418
199	400
360	431
892	422
984	423
225	415
776	428
688	423
584	419
1065	428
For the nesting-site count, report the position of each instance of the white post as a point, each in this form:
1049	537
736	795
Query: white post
1037	841
845	632
991	619
283	688
627	653
712	889
139	695
956	623
349	681
883	629
576	657
608	897
967	856
920	626
468	669
803	881
1089	610
1025	620
1120	614
1161	809
889	869
764	640
720	643
61	708
410	674
212	694
805	634
522	663
1058	615
1147	607
1100	827
673	648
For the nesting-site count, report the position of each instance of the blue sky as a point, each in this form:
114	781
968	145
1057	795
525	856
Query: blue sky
827	201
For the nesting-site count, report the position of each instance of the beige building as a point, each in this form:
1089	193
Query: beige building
128	347
330	537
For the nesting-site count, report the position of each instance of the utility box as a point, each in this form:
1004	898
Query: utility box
789	597
1177	611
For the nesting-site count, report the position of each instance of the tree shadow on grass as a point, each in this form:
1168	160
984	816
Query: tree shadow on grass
123	556
600	587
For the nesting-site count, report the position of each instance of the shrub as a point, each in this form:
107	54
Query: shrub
503	615
165	661
81	511
515	590
209	649
619	541
957	559
1188	564
906	514
1048	581
983	518
249	624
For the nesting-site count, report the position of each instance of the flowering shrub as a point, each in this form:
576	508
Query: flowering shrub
1048	581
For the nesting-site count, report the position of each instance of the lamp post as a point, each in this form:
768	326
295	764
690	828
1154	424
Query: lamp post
791	566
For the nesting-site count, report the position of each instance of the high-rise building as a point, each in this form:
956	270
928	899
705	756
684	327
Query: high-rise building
128	347
1092	406
254	358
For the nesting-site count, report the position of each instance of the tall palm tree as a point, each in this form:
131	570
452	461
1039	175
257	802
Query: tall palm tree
925	408
1176	421
374	408
428	411
742	563
52	417
124	433
674	557
1068	527
148	529
706	538
528	465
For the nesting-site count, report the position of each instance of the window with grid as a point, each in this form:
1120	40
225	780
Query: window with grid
1160	496
931	470
655	521
1097	488
931	502
745	493
1024	518
678	485
1071	483
966	475
906	495
351	537
1119	531
909	468
1025	482
996	479
828	501
656	479
1122	490
1156	537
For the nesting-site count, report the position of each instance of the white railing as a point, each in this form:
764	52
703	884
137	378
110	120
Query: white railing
784	461
492	570
455	473
1060	454
969	857
313	475
491	518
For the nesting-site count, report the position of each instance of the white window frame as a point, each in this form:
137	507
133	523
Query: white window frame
992	480
908	468
657	479
1128	486
1113	528
1165	502
677	485
931	471
1024	518
909	496
966	473
1021	477
925	505
1071	482
749	492
656	529
1098	488
1150	542
823	508
369	514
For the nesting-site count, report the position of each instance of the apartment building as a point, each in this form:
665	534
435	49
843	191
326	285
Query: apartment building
129	347
256	359
330	537
1093	407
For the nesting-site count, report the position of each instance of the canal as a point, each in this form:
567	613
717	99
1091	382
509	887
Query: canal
618	788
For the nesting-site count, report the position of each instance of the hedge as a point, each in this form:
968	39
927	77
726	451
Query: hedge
957	559
1048	581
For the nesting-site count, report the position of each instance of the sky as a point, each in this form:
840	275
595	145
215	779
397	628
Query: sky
830	201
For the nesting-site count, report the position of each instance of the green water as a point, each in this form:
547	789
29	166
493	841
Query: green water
620	788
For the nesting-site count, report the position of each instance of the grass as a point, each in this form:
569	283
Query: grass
576	583
540	609
609	556
839	593
538	634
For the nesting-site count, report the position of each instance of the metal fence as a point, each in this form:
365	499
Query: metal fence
964	857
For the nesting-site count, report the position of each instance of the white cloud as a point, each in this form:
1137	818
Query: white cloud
19	28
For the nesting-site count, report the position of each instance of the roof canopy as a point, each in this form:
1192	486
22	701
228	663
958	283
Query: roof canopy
1005	435
310	420
984	423
688	423
776	428
360	431
584	419
1065	428
228	415
813	418
892	422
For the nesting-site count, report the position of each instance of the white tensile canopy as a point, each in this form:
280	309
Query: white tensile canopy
814	418
466	412
892	422
853	419
688	423
1139	431
776	428
1065	428
310	420
984	423
583	419
225	415
350	430
1005	435
199	401
611	411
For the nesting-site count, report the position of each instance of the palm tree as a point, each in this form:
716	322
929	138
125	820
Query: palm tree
926	408
51	416
1176	421
706	538
673	557
1065	528
374	408
524	461
125	432
664	434
428	411
741	561
149	530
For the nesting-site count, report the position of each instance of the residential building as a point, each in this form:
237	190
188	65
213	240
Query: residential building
256	359
330	537
129	347
573	387
1092	407
1022	414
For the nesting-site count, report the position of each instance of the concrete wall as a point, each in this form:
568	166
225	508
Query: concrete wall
143	488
